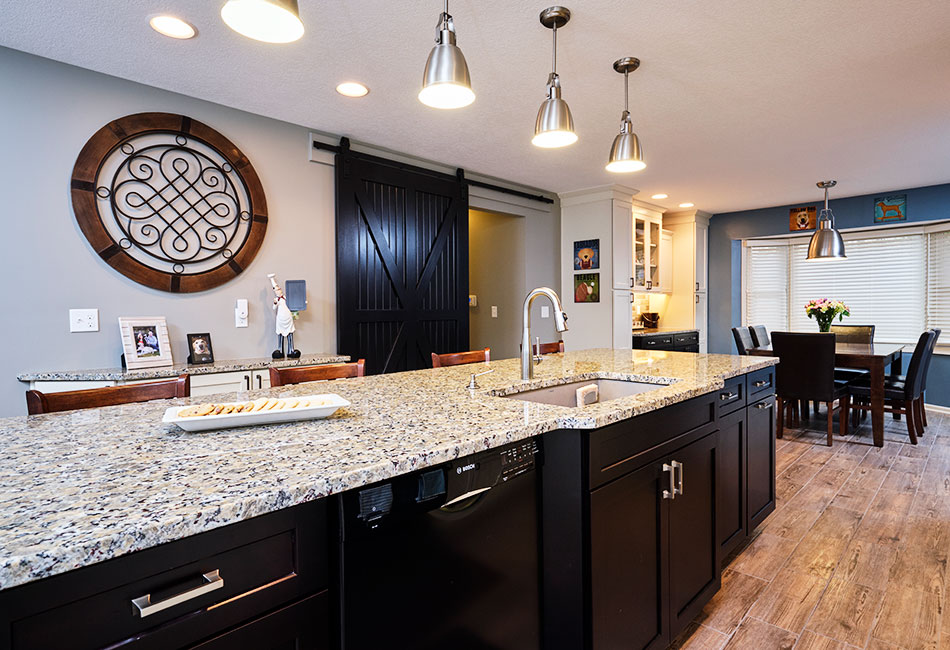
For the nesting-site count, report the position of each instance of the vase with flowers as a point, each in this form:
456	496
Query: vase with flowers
824	311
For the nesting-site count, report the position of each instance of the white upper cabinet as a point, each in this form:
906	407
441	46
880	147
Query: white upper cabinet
647	251
701	242
621	245
666	264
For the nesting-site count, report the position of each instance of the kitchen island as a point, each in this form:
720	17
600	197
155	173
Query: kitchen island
83	487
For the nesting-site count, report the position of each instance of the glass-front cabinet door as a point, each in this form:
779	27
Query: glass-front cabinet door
647	259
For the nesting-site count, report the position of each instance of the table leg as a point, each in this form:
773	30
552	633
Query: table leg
877	402
896	368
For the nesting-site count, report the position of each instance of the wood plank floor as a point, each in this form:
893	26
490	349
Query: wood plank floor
855	554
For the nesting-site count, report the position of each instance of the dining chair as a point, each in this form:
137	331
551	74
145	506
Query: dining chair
460	358
901	397
853	333
921	401
38	402
743	338
299	374
760	336
554	347
806	372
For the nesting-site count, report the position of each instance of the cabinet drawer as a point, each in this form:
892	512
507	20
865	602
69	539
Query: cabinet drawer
619	448
687	348
732	396
761	383
658	342
303	625
686	338
209	583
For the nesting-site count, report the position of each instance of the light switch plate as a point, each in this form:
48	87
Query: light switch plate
494	311
240	312
83	320
473	300
545	311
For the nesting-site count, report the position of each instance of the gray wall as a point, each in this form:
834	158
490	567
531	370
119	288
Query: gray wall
47	112
496	251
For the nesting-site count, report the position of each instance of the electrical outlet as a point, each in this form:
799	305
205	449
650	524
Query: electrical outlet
83	320
473	300
545	311
494	311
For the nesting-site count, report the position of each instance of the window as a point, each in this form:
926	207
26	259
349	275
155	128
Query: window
897	279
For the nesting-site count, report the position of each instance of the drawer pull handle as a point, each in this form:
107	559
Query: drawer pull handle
728	396
146	607
671	493
678	466
762	405
760	383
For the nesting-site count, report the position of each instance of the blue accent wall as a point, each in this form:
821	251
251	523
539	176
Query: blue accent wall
727	230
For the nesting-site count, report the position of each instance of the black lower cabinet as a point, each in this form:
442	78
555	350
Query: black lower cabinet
630	546
746	490
301	626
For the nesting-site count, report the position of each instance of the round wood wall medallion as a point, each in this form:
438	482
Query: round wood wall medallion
169	202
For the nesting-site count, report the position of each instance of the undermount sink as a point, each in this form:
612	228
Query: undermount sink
566	394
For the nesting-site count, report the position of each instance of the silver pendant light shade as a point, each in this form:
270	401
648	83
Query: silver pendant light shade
555	124
446	82
625	153
826	243
270	21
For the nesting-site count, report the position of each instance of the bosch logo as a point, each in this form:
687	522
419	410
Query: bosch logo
465	468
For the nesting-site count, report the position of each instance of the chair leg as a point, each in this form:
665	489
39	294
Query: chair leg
909	410
780	420
815	406
843	415
923	410
831	426
918	407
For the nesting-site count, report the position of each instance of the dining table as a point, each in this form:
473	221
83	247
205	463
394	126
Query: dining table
874	357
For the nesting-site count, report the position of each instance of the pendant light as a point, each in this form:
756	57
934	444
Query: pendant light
555	125
826	243
446	82
625	153
271	21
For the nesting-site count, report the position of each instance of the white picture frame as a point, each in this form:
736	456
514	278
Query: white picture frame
145	342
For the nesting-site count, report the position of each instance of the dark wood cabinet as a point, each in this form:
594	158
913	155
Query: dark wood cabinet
630	548
746	486
301	626
679	342
177	594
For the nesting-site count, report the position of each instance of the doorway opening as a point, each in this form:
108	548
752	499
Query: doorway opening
496	279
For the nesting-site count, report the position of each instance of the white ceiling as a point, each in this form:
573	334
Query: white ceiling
738	103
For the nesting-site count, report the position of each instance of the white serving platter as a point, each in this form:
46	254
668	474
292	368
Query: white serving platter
330	403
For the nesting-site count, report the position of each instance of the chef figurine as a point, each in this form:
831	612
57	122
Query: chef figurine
285	323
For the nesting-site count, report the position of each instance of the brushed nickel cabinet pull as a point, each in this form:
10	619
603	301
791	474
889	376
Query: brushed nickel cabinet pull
671	493
678	466
725	396
760	383
762	405
145	606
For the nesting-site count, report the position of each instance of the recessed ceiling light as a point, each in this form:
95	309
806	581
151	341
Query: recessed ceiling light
271	21
660	196
172	27
352	89
686	205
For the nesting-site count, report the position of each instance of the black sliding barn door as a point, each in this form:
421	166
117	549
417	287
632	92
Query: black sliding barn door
401	262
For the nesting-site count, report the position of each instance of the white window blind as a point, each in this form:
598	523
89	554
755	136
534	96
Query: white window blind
766	282
882	281
938	280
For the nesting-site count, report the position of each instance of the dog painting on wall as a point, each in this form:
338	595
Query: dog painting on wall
890	208
586	254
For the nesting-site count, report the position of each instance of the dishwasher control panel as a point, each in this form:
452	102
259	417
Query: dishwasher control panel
518	459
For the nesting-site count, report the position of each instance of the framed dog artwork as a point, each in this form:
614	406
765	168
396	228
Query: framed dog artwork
586	254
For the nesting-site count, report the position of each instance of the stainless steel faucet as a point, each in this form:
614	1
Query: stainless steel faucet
560	322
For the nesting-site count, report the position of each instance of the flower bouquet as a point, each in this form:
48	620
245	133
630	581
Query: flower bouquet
824	311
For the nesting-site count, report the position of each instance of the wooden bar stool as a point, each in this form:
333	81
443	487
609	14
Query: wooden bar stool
300	374
37	402
555	347
460	358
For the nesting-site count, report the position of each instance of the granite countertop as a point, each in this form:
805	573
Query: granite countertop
84	486
649	331
234	365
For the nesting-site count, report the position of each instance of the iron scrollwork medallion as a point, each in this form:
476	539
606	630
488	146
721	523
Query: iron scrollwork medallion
169	202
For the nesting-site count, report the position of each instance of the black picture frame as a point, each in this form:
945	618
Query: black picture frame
198	352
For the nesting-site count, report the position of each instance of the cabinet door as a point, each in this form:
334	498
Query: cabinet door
702	244
622	246
699	318
220	382
623	319
731	493
628	546
761	453
260	379
693	543
666	261
301	626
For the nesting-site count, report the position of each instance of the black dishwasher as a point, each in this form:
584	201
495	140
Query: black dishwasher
445	557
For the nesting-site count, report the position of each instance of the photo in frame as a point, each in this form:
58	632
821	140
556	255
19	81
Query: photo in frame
890	208
587	287
145	342
803	218
586	254
199	348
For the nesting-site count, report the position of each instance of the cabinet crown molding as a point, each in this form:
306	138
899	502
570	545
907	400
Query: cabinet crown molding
686	216
599	193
